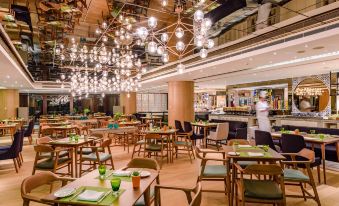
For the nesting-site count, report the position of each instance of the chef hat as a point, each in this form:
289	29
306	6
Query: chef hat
262	94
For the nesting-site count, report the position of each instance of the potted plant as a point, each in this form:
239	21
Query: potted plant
117	116
86	110
136	179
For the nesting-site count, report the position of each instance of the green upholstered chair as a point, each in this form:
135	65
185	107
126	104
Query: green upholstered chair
100	155
295	177
270	191
53	162
213	172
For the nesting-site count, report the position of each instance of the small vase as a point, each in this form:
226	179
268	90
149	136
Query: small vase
136	181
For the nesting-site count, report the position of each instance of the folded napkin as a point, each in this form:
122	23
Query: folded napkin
122	173
255	154
244	146
90	195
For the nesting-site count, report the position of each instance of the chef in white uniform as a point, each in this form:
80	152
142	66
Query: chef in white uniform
262	109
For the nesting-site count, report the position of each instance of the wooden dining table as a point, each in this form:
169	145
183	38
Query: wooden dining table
65	129
314	139
206	127
169	134
106	131
151	118
270	156
11	127
20	122
66	142
128	198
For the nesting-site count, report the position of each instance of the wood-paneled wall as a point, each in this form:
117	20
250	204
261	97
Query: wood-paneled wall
129	103
9	102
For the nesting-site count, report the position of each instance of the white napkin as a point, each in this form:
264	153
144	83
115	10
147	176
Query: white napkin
244	146
90	195
255	154
122	173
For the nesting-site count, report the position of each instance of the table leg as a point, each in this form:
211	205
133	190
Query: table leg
337	149
323	160
76	161
147	197
234	172
205	136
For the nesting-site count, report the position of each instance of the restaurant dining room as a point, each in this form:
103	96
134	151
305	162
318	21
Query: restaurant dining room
169	102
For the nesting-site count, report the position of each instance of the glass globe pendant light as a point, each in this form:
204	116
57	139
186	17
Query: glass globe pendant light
180	46
180	68
198	15
179	32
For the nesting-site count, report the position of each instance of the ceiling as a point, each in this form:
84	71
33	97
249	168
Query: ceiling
247	68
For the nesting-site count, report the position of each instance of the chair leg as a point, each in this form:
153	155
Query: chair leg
15	165
302	190
22	159
318	173
30	139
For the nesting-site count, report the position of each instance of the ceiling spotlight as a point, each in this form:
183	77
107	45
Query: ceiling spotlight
180	68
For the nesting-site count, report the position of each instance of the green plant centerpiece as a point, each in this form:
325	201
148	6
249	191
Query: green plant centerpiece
117	116
86	111
235	146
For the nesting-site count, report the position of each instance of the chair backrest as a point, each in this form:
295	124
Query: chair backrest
143	163
29	130
106	143
188	127
262	169
178	126
43	148
196	200
292	143
16	146
241	133
43	140
239	141
222	131
264	138
35	181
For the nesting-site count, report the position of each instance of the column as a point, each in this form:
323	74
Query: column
129	102
180	101
44	104
71	104
9	102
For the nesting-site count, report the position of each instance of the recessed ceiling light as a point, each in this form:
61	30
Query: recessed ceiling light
274	53
7	76
306	46
251	59
271	62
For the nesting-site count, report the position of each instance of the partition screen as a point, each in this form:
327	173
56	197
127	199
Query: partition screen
156	102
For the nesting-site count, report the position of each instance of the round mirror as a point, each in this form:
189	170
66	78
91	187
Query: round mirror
311	95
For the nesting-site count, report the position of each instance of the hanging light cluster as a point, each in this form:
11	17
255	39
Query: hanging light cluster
103	69
157	40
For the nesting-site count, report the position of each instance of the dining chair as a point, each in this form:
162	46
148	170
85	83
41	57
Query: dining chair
189	129
267	191
178	126
155	145
144	163
292	143
212	171
96	157
53	162
241	133
219	135
194	200
139	142
28	132
45	140
37	180
183	142
265	138
293	176
103	123
13	151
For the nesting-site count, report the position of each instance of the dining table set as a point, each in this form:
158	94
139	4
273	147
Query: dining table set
9	127
314	139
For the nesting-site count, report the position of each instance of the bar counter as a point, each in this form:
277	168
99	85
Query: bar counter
279	120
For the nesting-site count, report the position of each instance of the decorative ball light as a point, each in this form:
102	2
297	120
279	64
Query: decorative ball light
203	53
164	37
165	57
198	15
210	43
160	50
164	3
152	47
142	33
180	46
152	22
179	32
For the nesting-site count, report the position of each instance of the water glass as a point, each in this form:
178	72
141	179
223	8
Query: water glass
102	171
115	184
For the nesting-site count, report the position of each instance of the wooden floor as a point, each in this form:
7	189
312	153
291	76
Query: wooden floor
180	173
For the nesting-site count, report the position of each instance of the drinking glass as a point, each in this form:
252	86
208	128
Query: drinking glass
312	131
102	171
265	148
321	137
115	184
